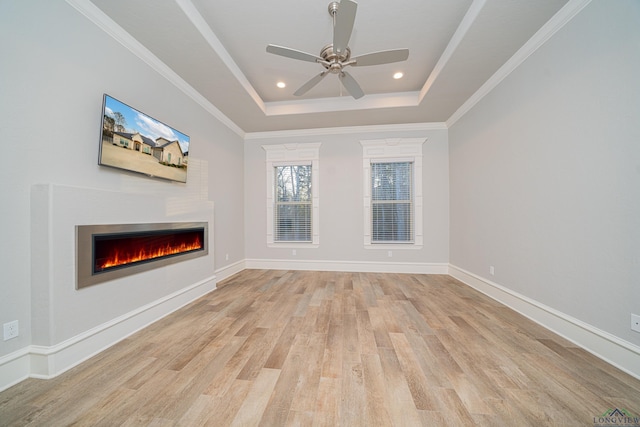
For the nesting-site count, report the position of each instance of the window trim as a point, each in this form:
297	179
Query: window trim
286	155
410	201
307	203
387	151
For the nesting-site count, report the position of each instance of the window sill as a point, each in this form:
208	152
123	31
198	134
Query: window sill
287	245
394	246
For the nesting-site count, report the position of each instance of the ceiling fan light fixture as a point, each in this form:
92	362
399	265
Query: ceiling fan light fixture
337	55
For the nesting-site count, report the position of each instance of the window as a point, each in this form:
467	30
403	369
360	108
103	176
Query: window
292	195
392	202
292	216
393	193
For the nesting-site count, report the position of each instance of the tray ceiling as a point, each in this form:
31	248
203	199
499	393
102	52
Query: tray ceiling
216	50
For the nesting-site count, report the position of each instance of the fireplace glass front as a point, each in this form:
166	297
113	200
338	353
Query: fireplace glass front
106	252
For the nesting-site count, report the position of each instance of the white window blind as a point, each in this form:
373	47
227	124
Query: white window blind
293	203
392	202
293	189
392	189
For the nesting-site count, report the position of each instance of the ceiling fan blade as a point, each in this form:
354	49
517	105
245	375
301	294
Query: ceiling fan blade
292	53
311	83
351	85
343	21
382	57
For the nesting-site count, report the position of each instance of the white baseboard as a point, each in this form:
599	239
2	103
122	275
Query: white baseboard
47	362
349	266
14	368
610	348
229	270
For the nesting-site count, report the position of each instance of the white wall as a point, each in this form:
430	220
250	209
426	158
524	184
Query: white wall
545	175
341	204
55	67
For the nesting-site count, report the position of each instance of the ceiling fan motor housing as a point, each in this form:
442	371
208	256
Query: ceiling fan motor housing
334	61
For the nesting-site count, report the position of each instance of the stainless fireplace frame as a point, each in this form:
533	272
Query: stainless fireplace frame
84	250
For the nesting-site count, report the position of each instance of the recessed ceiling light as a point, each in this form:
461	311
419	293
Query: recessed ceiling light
281	85
398	75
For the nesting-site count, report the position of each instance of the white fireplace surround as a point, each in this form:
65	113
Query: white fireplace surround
69	325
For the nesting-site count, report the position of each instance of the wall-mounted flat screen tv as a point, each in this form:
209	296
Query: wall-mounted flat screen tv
133	141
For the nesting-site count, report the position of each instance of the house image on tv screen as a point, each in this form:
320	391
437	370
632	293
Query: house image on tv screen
136	142
165	151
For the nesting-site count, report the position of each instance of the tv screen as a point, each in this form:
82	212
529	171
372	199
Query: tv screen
133	141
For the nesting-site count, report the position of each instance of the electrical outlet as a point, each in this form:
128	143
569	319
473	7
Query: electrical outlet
390	254
293	252
635	322
11	330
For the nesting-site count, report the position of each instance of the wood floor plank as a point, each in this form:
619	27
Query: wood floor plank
147	401
277	409
283	345
297	418
450	405
327	402
435	376
415	378
260	350
351	344
380	331
323	318
252	409
366	337
209	366
471	391
402	409
333	351
226	406
199	411
196	378
221	369
377	412
281	348
474	361
306	388
352	407
410	319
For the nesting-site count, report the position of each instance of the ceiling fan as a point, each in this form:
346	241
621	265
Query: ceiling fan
334	57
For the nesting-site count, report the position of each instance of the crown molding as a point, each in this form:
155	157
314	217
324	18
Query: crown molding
106	24
462	30
348	130
203	28
342	103
557	22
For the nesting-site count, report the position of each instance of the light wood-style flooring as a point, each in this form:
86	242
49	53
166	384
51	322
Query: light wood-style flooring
285	348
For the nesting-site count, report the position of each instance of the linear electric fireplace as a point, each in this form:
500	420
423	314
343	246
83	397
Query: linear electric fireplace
107	252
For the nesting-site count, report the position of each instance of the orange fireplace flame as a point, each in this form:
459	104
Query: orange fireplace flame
122	258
